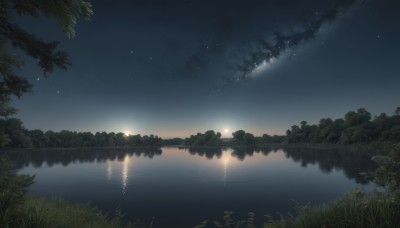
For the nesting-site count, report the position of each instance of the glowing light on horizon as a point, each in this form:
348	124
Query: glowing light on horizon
226	132
127	132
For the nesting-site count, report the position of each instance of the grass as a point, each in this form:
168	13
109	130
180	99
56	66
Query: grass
55	212
356	209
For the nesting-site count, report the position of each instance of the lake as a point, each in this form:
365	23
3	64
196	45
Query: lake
173	187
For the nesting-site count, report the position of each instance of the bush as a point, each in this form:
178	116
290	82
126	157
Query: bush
13	189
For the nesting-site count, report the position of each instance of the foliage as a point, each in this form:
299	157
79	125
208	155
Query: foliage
16	134
229	222
388	174
356	128
173	142
13	188
73	139
54	212
266	139
240	137
356	209
209	138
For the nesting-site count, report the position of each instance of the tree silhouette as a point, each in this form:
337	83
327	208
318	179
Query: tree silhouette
397	111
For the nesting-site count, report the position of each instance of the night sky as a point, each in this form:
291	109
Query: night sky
175	68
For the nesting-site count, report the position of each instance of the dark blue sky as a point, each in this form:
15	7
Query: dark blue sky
170	67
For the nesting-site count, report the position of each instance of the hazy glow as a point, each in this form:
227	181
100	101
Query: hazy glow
127	132
226	133
125	173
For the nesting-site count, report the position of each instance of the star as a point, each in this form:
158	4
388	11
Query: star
38	79
58	92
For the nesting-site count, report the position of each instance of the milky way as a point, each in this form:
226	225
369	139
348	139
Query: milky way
267	51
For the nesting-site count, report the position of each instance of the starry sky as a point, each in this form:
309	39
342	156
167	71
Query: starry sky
178	67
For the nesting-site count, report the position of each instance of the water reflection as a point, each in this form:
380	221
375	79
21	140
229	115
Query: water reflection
226	158
213	179
37	158
351	162
125	173
109	170
208	152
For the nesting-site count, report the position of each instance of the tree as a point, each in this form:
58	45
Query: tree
249	139
38	138
238	136
356	118
209	138
13	189
397	111
49	57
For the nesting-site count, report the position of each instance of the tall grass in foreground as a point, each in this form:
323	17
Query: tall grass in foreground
357	209
353	210
54	212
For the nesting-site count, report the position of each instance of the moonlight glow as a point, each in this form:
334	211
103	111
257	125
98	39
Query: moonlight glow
127	132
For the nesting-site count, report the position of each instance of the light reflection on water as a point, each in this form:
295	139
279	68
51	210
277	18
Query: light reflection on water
125	173
226	157
109	170
125	166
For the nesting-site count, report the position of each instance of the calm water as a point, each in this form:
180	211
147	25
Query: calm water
180	187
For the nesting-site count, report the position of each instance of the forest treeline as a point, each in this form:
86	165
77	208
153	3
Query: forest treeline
357	127
239	138
14	135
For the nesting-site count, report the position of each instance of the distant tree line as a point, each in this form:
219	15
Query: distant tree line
16	136
355	127
173	142
239	138
209	138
